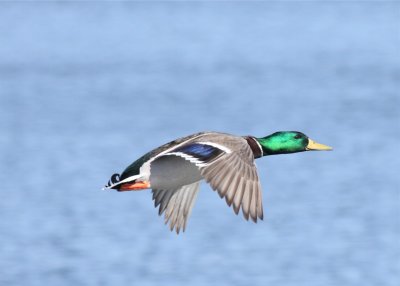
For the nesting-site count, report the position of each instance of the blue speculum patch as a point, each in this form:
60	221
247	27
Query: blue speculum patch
202	152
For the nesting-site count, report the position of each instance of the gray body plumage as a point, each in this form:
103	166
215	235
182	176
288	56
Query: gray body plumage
173	172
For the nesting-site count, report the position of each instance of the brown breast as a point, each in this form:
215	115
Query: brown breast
255	146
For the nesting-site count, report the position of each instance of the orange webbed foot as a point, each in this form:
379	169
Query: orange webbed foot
136	186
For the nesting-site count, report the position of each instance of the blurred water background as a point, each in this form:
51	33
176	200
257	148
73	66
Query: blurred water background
86	88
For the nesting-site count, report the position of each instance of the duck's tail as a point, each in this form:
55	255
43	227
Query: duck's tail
113	182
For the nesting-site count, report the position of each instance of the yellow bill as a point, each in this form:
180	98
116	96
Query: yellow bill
314	146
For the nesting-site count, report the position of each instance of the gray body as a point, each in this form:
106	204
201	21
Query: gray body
172	172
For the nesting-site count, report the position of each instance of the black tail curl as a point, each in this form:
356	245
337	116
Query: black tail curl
115	178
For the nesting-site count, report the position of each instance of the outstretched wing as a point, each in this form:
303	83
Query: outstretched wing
230	170
234	176
177	204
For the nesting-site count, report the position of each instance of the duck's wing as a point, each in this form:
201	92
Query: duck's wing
234	176
177	204
227	164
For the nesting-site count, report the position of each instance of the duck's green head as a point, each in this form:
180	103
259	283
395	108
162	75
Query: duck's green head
285	142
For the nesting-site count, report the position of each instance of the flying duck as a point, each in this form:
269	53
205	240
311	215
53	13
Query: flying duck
174	170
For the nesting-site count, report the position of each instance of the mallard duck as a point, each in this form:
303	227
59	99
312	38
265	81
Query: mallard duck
173	171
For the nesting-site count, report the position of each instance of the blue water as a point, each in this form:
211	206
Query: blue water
86	88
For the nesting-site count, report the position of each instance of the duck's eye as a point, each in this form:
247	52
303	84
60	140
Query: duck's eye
298	136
